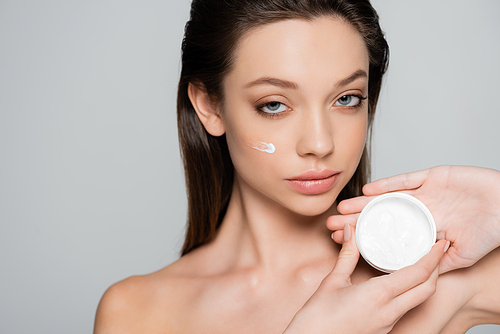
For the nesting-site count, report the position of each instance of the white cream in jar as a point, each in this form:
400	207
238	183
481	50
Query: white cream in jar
394	231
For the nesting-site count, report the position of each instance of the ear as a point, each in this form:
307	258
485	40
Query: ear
206	110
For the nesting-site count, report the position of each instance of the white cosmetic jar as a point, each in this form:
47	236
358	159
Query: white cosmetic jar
394	231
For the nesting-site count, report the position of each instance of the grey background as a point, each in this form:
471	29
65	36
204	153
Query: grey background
91	184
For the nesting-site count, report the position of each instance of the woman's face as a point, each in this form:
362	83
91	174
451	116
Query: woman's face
300	86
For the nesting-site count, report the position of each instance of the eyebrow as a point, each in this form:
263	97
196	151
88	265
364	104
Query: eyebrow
273	82
353	77
292	85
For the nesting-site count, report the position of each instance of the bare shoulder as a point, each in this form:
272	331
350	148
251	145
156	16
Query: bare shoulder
120	305
477	290
150	303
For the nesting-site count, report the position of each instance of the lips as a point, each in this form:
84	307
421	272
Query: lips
314	182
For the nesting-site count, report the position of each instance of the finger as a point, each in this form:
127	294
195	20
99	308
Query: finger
353	205
444	266
404	181
417	295
338	222
411	276
347	259
357	204
452	260
338	236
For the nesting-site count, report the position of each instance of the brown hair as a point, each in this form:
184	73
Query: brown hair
210	38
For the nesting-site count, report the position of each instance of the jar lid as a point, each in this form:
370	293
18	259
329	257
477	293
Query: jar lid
394	231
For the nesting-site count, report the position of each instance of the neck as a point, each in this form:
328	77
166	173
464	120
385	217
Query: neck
259	232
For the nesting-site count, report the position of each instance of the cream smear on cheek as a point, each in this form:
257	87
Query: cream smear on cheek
263	147
394	232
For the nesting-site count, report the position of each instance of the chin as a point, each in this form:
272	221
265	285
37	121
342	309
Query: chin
314	206
310	212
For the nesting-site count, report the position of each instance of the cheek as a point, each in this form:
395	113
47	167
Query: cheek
249	147
255	166
263	146
351	138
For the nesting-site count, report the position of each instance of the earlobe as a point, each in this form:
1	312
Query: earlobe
206	110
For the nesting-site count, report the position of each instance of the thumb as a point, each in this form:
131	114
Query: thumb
452	260
347	259
446	264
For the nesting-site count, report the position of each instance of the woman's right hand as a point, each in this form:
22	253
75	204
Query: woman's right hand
373	306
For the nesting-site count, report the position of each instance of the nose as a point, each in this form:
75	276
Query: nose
316	134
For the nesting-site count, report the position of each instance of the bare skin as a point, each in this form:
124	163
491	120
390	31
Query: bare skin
192	296
273	267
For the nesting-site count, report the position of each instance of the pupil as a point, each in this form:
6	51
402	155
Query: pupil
345	99
273	106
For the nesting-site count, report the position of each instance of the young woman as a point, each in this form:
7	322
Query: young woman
275	104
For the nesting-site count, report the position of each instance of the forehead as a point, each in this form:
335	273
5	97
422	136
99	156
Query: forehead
324	48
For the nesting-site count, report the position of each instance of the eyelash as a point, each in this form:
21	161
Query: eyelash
260	110
357	106
282	113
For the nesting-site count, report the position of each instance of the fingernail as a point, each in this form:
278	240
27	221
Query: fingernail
331	236
347	232
446	246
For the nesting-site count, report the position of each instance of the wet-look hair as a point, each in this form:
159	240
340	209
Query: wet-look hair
210	39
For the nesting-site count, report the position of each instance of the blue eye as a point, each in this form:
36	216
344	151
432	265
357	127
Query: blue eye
348	101
273	107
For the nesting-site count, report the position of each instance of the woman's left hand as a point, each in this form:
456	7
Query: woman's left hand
373	306
465	203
